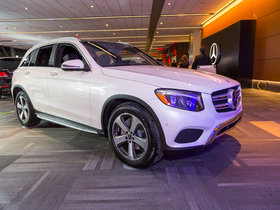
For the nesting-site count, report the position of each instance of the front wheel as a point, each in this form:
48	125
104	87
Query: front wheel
134	135
25	111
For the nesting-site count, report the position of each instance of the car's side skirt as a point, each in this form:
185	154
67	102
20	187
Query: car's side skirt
68	123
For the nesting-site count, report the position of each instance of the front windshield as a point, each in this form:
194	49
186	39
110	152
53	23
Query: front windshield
118	54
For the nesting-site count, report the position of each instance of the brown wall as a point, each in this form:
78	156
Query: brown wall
267	38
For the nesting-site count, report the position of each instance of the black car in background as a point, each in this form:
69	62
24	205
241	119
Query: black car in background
7	66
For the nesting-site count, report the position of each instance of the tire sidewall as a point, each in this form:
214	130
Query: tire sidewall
136	112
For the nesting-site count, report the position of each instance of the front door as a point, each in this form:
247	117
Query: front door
69	90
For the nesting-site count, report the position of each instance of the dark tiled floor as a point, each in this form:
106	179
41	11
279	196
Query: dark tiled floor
53	167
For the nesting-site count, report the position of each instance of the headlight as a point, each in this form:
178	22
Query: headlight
181	99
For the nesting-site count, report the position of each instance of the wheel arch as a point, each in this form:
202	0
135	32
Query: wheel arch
112	102
16	89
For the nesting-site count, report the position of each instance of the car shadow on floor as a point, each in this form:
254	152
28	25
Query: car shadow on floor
216	157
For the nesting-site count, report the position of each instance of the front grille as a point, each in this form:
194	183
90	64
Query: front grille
226	100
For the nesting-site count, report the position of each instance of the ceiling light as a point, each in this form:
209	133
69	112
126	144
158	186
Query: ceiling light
60	26
26	8
91	6
169	4
119	40
157	32
107	25
221	11
114	33
161	23
77	34
14	28
154	39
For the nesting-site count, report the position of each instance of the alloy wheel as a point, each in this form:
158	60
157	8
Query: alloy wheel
130	136
23	109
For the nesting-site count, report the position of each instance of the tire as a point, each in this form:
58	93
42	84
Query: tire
134	135
25	111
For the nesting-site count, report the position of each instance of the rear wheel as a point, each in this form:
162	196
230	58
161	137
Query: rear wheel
134	135
25	111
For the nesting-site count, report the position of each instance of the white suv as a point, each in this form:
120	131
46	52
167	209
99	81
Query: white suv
117	90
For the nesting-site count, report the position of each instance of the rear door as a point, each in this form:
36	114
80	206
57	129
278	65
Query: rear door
69	90
36	71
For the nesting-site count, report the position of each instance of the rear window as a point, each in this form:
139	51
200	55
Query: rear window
44	54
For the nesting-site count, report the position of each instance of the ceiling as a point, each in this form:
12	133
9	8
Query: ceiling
24	23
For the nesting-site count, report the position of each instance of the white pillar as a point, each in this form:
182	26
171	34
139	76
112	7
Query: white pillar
195	43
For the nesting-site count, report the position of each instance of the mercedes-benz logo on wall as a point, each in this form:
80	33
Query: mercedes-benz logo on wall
215	53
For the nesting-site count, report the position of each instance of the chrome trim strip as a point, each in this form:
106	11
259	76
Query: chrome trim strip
219	127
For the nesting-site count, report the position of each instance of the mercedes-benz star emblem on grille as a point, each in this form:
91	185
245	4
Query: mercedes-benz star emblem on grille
232	99
215	53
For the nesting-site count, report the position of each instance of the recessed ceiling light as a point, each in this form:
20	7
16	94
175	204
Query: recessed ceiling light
157	32
60	26
161	23
169	4
114	33
77	34
119	40
14	28
26	8
154	39
107	25
91	6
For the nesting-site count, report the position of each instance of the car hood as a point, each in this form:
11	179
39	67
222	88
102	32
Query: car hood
175	78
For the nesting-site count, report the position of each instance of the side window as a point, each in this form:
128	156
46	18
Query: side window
33	58
68	52
44	54
28	59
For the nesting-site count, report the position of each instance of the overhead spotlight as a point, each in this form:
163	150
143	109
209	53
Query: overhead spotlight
26	8
107	25
60	26
91	6
119	40
161	23
169	4
114	33
14	28
77	34
157	32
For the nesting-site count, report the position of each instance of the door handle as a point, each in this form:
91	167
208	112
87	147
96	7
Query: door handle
53	73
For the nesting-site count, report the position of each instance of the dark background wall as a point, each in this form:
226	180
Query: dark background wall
237	50
267	37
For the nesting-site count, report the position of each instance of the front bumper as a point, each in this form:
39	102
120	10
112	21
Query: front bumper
213	124
224	127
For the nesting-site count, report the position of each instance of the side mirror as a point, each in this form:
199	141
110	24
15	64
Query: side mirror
72	65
